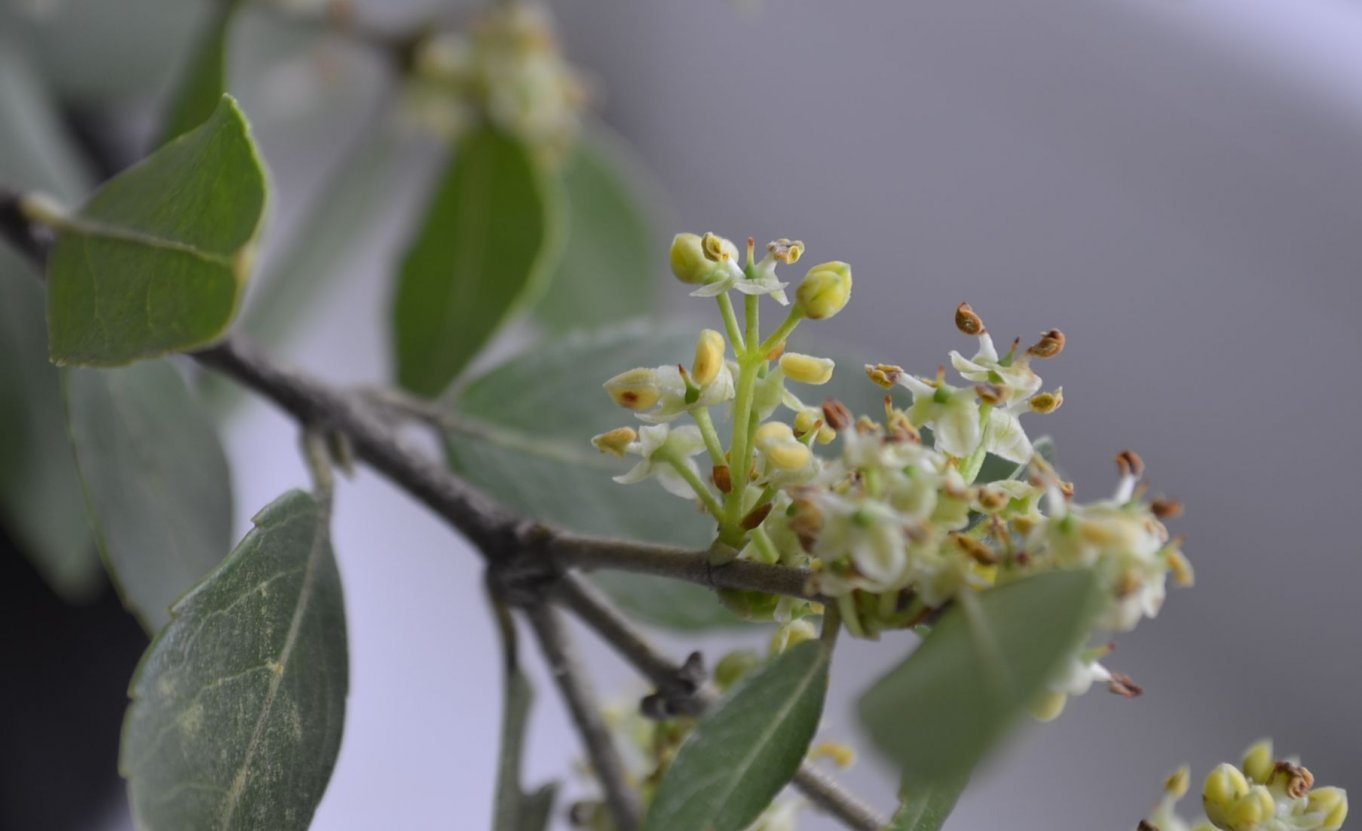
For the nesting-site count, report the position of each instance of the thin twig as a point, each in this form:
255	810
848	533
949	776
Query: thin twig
597	613
572	550
559	654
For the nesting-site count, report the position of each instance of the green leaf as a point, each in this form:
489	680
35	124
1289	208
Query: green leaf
204	79
532	420
743	752
488	236
969	682
926	807
155	262
238	704
41	505
612	258
156	481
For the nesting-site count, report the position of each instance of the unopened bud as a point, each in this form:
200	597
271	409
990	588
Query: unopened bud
1178	782
634	389
733	666
885	375
709	357
825	290
840	754
1050	344
1225	786
836	415
614	441
967	321
806	369
1257	764
1048	706
1333	803
689	263
1047	402
786	251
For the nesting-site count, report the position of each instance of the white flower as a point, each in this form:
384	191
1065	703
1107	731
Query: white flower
950	412
1005	436
663	449
672	392
1013	374
764	282
870	533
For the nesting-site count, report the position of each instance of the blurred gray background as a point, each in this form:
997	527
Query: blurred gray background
1177	184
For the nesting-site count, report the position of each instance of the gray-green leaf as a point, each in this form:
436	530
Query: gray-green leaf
747	749
155	262
156	481
612	257
40	500
204	77
969	682
926	807
488	237
239	703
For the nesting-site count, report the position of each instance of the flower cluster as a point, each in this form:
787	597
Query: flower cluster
890	514
1261	794
506	70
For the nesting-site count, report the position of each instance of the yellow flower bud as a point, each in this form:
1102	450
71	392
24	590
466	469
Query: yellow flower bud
1049	706
689	263
1250	811
806	420
634	389
806	369
1333	803
782	449
1225	787
825	290
1178	782
615	441
709	357
773	431
1257	764
840	754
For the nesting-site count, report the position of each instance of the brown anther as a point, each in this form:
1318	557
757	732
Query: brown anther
886	375
1045	403
1299	781
976	550
967	321
1066	490
1122	685
806	520
991	393
902	431
1146	825
775	353
1130	463
1022	559
756	516
866	427
993	499
1050	344
629	398
1166	508
1130	583
836	415
722	478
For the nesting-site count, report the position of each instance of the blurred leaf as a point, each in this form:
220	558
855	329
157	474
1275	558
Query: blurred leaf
156	260
97	52
487	236
156	481
40	498
743	752
940	711
996	468
926	807
514	809
204	79
533	420
239	703
357	194
612	257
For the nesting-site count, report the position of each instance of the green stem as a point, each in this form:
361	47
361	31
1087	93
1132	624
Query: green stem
710	435
731	323
783	332
769	552
741	462
701	491
752	304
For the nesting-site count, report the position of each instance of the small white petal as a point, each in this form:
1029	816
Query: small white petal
637	473
668	478
1007	438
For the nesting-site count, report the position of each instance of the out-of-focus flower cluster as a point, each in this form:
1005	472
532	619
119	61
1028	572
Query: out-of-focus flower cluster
1261	794
887	512
505	69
